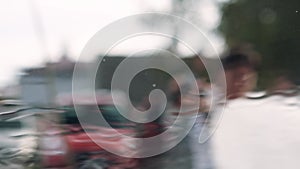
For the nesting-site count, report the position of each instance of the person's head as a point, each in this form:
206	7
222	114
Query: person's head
240	74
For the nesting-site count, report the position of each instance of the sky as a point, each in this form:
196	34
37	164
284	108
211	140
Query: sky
35	31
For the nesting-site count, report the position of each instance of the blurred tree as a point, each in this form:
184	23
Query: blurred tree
272	26
185	9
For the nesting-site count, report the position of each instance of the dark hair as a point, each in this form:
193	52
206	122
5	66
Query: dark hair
238	60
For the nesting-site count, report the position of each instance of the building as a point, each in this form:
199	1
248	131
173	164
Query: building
40	86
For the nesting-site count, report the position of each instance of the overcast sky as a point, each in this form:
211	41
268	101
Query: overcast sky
69	24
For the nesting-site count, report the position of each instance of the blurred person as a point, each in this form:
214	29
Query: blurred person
254	133
240	76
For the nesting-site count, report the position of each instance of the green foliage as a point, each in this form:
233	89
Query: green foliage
272	27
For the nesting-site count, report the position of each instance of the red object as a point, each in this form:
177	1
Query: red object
77	142
54	160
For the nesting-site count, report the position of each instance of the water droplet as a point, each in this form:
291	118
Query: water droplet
103	60
297	11
154	85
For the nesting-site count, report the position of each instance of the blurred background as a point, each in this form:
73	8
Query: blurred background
41	41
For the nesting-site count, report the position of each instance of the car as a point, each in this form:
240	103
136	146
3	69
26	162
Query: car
65	143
